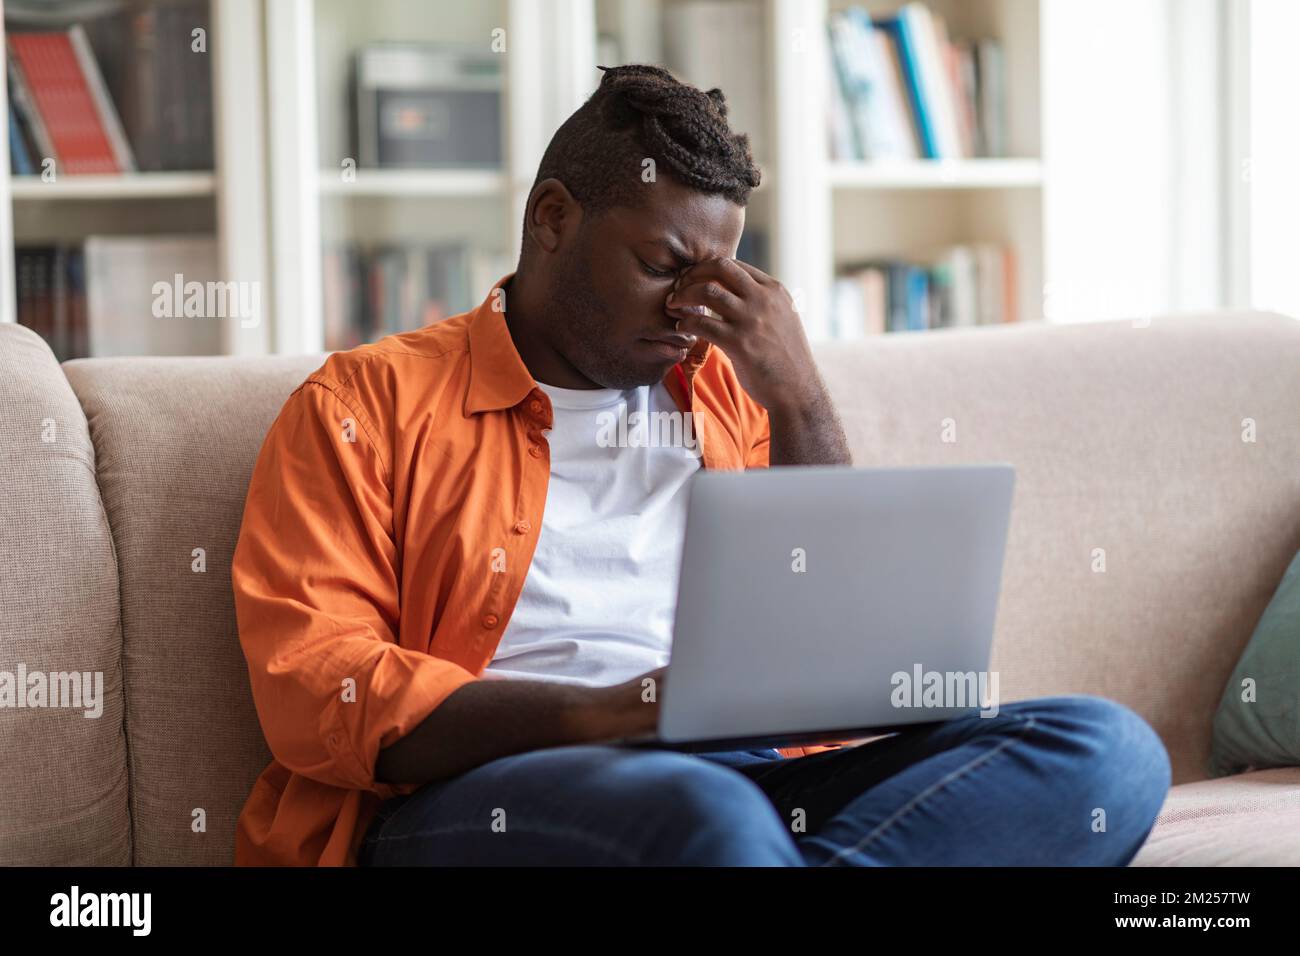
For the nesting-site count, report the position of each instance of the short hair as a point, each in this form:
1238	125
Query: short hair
644	112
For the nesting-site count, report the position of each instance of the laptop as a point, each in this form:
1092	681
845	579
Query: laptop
824	603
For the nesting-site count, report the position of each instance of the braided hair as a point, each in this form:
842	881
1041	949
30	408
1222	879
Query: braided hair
643	112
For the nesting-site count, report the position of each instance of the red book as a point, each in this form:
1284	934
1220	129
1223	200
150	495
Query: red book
77	115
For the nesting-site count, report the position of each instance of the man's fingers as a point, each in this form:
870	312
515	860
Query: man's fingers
757	274
707	293
730	273
717	331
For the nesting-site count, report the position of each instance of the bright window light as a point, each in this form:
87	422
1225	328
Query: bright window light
1274	157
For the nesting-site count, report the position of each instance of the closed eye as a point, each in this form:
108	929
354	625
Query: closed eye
657	273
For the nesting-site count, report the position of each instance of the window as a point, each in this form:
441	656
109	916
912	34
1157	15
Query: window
1267	78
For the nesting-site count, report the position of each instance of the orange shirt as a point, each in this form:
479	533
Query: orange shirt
389	525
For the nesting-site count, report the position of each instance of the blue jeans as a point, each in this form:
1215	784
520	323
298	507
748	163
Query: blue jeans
1073	780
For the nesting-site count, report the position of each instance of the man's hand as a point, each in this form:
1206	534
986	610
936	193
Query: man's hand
756	324
630	708
487	719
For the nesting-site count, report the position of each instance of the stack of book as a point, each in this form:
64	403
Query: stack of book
124	93
901	89
965	285
106	297
51	292
373	291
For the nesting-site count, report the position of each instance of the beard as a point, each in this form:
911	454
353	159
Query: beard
580	324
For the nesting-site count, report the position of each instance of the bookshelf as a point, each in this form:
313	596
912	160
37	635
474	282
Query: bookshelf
821	214
281	200
913	210
396	184
114	187
937	174
340	218
222	201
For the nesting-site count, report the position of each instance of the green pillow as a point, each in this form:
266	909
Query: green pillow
1264	732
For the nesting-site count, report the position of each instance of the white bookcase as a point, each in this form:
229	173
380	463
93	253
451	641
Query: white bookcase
815	213
820	214
227	202
278	192
321	195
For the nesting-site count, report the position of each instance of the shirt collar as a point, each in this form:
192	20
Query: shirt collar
498	377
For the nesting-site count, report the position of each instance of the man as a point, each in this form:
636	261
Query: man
452	586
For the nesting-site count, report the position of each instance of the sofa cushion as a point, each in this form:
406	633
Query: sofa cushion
64	795
1261	728
1248	820
175	441
1128	444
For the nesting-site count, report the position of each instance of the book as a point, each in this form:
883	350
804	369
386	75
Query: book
962	306
848	307
991	283
947	82
78	336
961	59
893	91
874	299
161	85
32	266
990	83
59	337
867	87
962	286
373	291
849	87
902	89
63	85
108	118
20	160
841	138
28	117
903	35
918	293
125	314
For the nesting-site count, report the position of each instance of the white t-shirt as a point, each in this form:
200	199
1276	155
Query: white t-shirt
598	602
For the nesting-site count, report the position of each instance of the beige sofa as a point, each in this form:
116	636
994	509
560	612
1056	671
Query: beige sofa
1127	437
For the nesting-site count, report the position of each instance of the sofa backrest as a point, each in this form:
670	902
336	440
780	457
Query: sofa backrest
1131	446
175	440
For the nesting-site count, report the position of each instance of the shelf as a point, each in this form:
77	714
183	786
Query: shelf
402	183
118	186
938	174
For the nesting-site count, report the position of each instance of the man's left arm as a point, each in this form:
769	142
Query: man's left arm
755	323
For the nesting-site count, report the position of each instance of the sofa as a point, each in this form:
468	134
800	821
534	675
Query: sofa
1146	539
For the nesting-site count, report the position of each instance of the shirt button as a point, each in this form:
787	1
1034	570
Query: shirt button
522	527
535	405
490	620
534	451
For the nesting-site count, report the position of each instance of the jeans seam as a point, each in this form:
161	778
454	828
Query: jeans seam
935	787
575	835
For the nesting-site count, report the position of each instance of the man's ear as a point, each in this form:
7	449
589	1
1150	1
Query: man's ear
553	214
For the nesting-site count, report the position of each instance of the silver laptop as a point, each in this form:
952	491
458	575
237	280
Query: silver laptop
824	603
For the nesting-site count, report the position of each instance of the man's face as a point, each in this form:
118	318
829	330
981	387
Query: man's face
611	277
